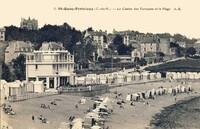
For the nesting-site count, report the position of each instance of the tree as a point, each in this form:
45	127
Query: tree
6	74
191	51
89	49
161	54
118	40
19	67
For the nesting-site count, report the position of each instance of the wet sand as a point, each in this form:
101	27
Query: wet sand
138	116
184	114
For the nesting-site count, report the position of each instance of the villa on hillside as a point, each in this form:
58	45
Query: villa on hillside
51	64
15	48
29	24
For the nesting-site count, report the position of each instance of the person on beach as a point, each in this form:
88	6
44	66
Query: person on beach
120	94
70	118
131	103
33	118
76	106
121	106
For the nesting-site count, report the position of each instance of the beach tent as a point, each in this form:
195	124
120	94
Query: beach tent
129	97
142	95
198	75
165	91
152	76
92	76
15	88
80	80
144	76
129	77
174	75
158	75
102	78
189	88
179	89
153	92
187	75
119	79
161	91
183	75
183	89
170	91
158	92
148	94
108	104
190	75
179	75
135	97
110	79
136	76
176	89
38	86
30	86
195	75
89	81
168	75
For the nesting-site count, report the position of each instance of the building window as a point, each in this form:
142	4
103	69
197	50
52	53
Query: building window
36	67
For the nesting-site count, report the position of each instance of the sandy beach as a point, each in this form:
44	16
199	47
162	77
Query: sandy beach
137	116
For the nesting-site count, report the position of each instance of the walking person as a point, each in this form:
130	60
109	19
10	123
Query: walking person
33	118
76	106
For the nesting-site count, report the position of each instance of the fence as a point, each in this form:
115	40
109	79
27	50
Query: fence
15	98
85	90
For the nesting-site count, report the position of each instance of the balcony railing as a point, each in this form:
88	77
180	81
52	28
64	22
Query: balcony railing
49	61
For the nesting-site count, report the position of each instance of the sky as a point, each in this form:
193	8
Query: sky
185	21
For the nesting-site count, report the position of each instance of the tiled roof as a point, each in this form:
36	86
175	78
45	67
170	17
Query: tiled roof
51	46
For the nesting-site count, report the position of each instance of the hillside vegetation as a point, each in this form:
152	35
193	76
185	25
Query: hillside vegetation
186	65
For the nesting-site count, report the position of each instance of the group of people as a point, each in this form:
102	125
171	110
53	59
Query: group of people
44	106
8	109
47	106
41	118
